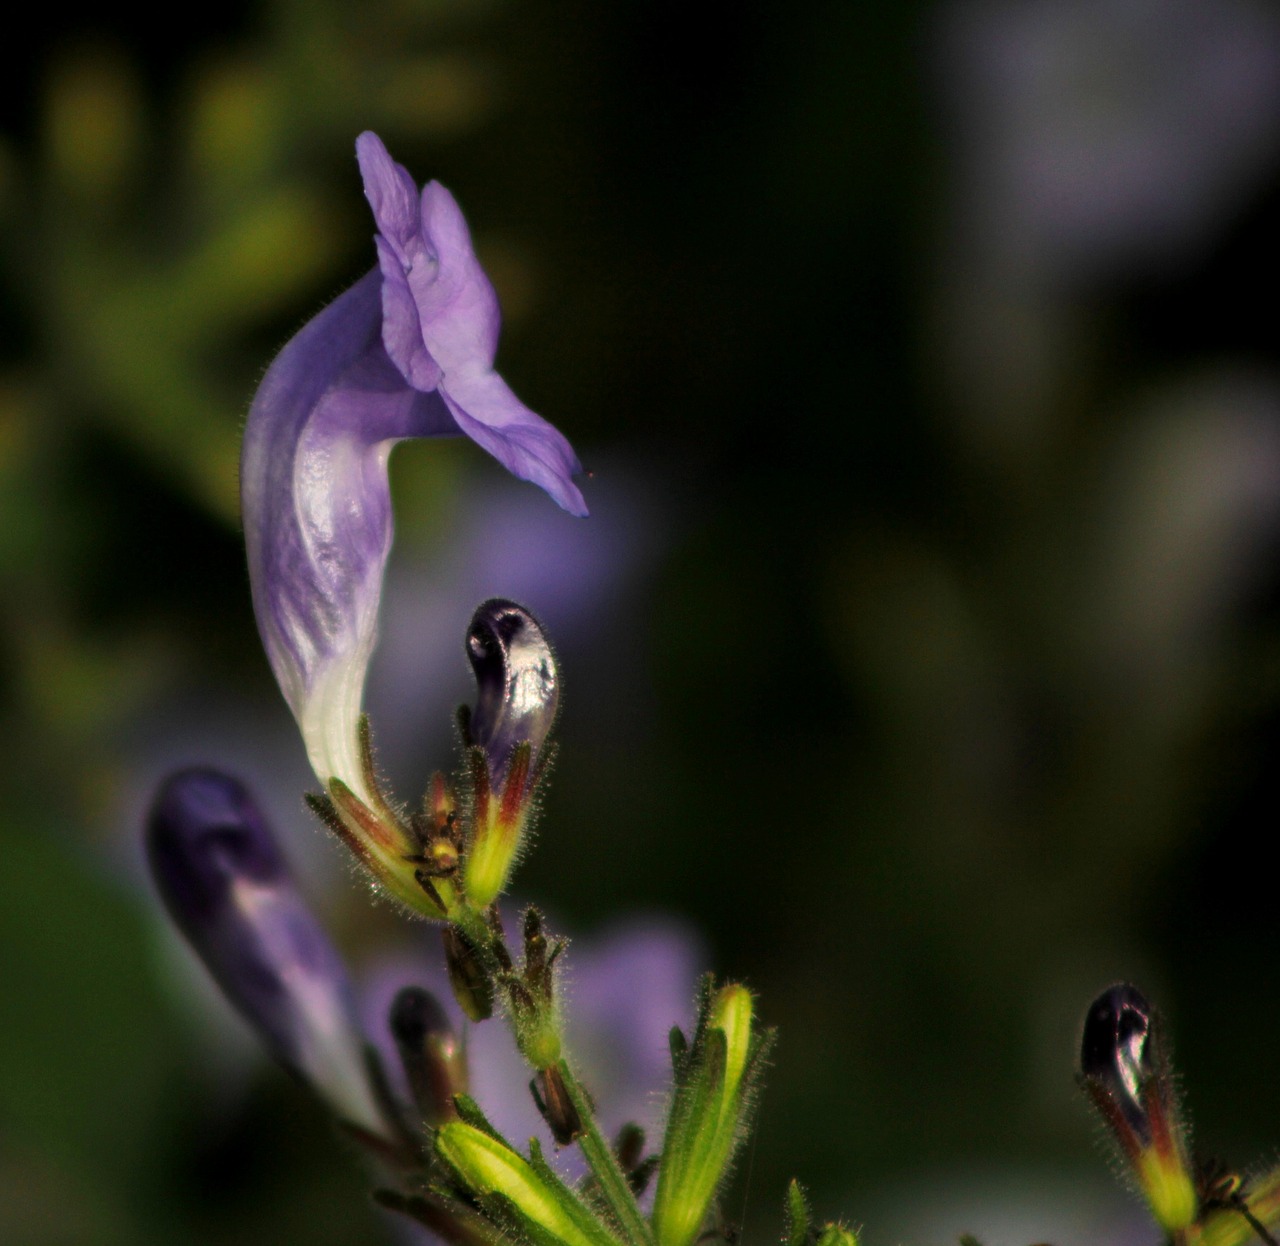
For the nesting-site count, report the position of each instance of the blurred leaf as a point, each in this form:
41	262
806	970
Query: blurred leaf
85	1051
233	126
93	123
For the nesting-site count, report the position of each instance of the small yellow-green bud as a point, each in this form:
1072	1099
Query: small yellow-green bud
797	1216
706	1115
836	1235
532	996
540	1042
731	1013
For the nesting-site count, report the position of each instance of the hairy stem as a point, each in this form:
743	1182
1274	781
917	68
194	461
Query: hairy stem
614	1186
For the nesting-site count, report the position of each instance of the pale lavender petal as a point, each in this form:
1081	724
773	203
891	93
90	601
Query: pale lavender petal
392	194
228	889
458	307
406	263
401	329
317	512
450	335
521	440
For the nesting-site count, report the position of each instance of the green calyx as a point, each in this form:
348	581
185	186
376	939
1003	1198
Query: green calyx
531	994
714	1082
499	819
522	1197
802	1232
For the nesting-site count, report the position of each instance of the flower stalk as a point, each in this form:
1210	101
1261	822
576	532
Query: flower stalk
615	1189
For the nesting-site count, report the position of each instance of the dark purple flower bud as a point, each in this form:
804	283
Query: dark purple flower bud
1115	1051
1125	1073
517	685
228	889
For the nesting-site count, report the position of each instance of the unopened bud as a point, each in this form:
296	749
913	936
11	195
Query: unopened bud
798	1216
472	985
522	1194
433	1060
517	686
517	690
708	1113
557	1108
1126	1075
1116	1053
836	1235
227	886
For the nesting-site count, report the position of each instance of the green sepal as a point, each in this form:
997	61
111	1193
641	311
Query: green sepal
590	1219
471	1113
1229	1225
369	768
797	1230
679	1052
522	1197
506	1219
709	1111
702	1000
539	1163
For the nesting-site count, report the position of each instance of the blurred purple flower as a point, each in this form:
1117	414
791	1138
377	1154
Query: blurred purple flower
408	351
1104	135
229	891
627	988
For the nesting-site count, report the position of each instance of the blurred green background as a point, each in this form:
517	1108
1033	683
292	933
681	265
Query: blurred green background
925	653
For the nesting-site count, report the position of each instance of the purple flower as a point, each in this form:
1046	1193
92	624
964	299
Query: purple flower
1107	136
408	351
228	889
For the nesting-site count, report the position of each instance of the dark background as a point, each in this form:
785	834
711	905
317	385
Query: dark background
923	652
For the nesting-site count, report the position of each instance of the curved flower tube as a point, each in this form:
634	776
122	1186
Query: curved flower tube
228	889
408	351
